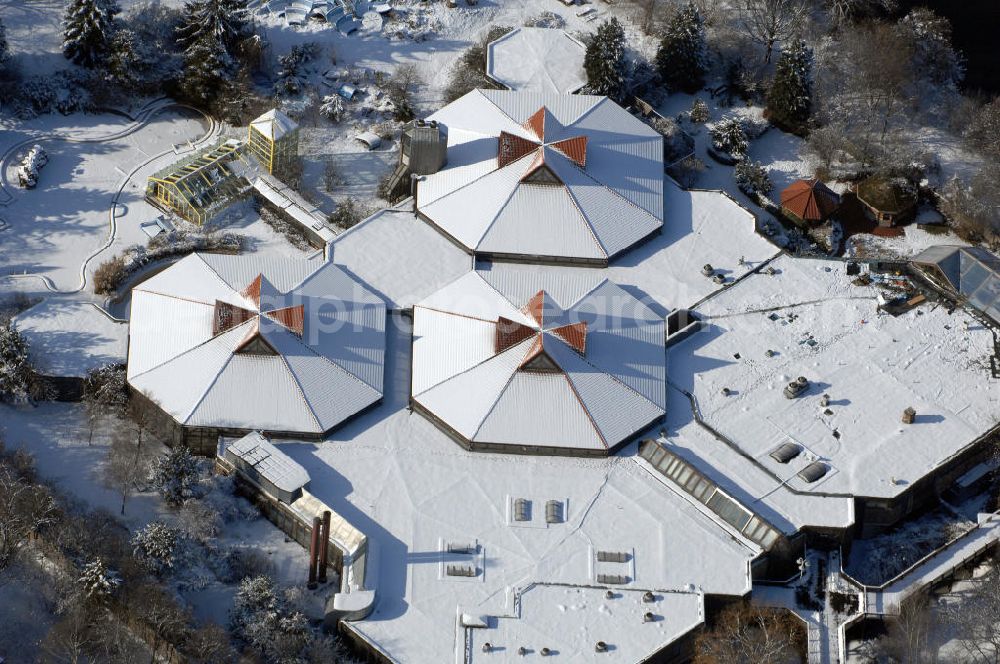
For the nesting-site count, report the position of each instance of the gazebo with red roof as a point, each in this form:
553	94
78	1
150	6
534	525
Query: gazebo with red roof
809	201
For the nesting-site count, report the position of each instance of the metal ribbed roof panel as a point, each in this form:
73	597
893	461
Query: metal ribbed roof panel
464	400
543	409
237	271
446	344
255	391
190	323
617	410
520	106
458	212
179	384
541	220
617	222
331	392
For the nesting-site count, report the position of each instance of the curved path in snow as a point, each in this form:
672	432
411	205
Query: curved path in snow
140	121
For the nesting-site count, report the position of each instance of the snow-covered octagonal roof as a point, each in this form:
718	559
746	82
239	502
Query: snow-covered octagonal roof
542	176
243	342
537	60
562	364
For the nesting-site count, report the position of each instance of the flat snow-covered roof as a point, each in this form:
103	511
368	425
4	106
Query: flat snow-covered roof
570	620
399	256
872	366
537	60
413	492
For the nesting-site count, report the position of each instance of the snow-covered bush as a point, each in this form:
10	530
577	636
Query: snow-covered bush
676	142
110	274
545	20
699	112
156	547
65	91
97	581
27	170
175	475
348	213
687	171
729	136
241	563
260	619
752	179
332	108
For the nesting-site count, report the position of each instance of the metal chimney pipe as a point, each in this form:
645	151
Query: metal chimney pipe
324	544
314	553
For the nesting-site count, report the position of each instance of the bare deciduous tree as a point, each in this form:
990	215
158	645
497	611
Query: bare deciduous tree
72	638
845	11
133	448
975	620
24	507
745	633
769	22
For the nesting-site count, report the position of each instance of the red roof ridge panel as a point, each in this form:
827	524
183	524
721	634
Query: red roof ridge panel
575	148
252	291
511	147
510	333
293	318
227	316
574	334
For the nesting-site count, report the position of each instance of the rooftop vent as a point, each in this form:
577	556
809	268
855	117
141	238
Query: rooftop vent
648	596
522	509
786	452
455	547
612	557
460	570
707	270
648	617
600	646
813	471
554	511
796	387
612	579
909	415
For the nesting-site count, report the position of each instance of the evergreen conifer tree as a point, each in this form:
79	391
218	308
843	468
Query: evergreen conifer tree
682	58
226	21
207	67
87	31
604	61
789	102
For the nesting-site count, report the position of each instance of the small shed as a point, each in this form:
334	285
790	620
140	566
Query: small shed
255	457
369	139
887	201
809	201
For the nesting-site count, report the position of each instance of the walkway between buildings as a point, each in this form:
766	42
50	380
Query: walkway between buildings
293	204
886	600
